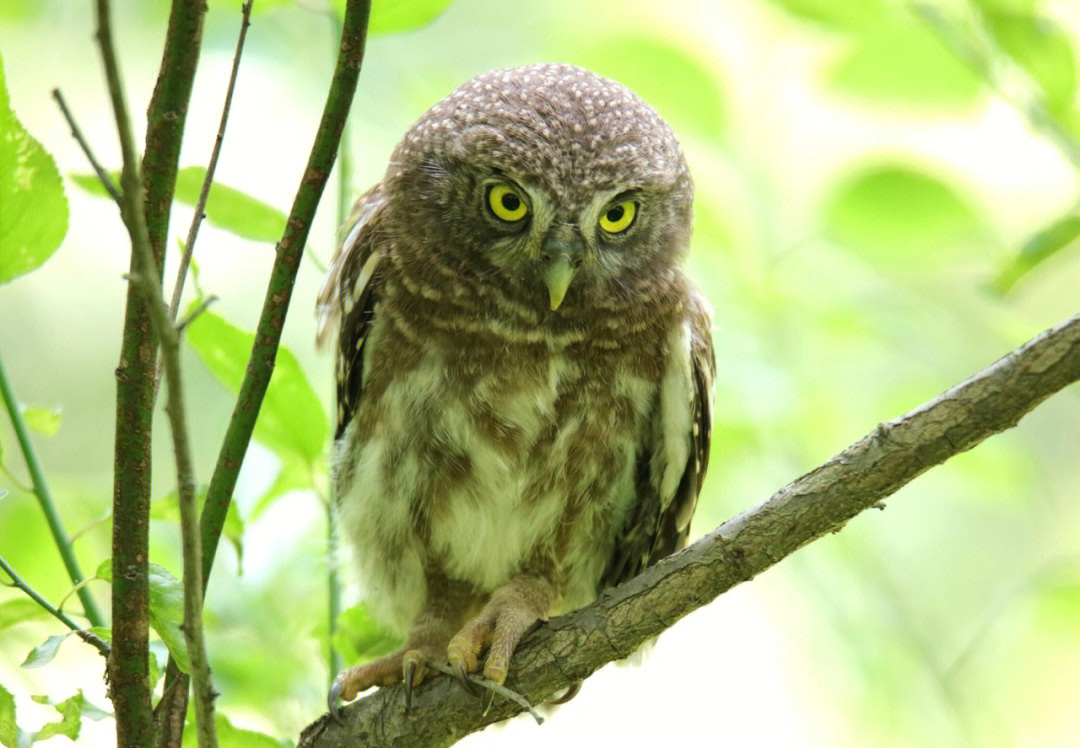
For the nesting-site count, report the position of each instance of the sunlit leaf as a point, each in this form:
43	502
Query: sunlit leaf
72	711
19	609
839	13
167	508
895	214
360	638
44	653
232	736
292	421
295	475
1062	233
9	732
648	65
42	420
1006	6
91	184
1057	599
166	609
904	61
33	209
229	208
403	15
1042	49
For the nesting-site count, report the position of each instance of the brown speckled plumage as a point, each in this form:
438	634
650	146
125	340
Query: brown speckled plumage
492	450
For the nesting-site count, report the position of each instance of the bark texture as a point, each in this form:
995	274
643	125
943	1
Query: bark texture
571	647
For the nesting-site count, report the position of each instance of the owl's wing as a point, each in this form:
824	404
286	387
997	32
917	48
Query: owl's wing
672	462
348	296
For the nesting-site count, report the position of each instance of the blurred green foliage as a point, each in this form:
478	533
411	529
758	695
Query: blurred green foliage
848	288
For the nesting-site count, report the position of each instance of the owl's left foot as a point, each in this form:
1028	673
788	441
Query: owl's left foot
511	613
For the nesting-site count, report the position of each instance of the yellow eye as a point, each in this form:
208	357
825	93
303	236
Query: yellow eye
506	204
619	217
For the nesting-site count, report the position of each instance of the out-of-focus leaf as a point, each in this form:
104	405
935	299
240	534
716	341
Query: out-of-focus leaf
292	421
1057	236
1057	599
894	214
226	207
43	653
403	15
1006	6
232	736
1042	49
843	14
359	638
20	10
159	657
230	209
71	711
167	508
904	61
9	732
166	609
295	475
33	208
42	420
648	65
19	609
260	7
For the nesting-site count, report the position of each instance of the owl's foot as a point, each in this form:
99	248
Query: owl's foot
408	663
511	613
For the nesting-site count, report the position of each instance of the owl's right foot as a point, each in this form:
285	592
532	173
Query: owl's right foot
408	664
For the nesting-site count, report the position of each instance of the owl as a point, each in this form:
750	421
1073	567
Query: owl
524	373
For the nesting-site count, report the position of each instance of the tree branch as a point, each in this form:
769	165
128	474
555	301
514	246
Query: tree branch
571	647
45	500
87	636
102	175
171	708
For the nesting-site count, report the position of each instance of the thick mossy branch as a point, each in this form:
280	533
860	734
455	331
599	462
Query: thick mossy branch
571	647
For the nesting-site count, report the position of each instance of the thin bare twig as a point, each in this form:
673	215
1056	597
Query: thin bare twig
102	175
193	315
148	280
87	636
204	193
492	686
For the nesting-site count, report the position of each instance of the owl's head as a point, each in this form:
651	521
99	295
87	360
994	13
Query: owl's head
564	182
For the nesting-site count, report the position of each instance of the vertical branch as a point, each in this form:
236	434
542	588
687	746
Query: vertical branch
148	199
44	497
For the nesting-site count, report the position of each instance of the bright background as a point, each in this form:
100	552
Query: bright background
862	198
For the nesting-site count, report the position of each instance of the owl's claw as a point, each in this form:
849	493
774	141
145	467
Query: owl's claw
410	674
332	703
463	680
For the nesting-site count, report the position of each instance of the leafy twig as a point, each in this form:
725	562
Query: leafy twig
87	636
102	175
204	193
45	500
571	647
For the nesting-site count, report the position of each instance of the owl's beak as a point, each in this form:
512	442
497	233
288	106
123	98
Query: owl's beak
557	276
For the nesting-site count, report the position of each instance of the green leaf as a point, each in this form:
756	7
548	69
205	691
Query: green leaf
231	736
402	15
33	209
1057	599
19	609
890	213
1057	236
42	420
292	421
9	732
72	711
166	609
360	638
45	652
167	508
1042	49
842	14
295	475
226	207
900	60
648	66
230	209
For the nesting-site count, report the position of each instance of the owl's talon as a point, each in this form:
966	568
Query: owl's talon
410	674
463	680
332	703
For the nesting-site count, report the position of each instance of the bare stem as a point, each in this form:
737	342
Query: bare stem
102	175
204	193
45	500
87	636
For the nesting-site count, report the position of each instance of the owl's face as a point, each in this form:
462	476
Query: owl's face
563	183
